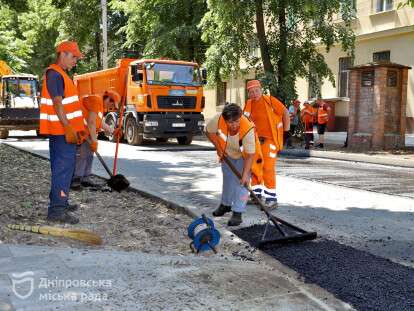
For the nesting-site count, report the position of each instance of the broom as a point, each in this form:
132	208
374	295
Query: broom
76	234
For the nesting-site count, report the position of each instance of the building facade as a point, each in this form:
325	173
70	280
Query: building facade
383	32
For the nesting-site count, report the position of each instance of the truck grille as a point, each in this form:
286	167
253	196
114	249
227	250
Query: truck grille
176	102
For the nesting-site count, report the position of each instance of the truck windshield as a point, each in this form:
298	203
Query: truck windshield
20	87
172	74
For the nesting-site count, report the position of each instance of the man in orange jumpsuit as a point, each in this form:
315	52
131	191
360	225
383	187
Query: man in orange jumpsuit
272	121
307	114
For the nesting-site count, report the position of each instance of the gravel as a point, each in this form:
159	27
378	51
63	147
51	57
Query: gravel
365	281
125	221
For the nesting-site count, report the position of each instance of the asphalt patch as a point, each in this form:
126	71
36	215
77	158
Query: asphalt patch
365	281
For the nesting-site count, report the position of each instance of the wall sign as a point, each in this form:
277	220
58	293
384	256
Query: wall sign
367	78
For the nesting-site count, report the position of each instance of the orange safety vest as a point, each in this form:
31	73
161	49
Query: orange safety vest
49	121
245	127
99	114
322	116
276	122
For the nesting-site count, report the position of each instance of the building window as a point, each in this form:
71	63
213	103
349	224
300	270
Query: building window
221	93
344	64
314	87
384	5
384	56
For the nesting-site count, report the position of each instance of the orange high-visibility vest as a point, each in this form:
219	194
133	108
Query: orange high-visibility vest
97	103
275	121
322	116
245	127
307	114
49	121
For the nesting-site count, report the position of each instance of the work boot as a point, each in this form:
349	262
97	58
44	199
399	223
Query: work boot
271	204
72	207
76	184
235	220
221	210
86	182
64	217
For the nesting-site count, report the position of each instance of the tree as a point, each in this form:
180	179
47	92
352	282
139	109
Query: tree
291	35
164	28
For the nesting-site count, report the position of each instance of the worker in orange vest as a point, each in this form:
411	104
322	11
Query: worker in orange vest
323	117
62	120
93	108
272	122
234	136
307	115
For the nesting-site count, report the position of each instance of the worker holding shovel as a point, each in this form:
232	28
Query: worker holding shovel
93	107
234	137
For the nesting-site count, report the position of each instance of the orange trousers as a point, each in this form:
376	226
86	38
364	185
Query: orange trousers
267	189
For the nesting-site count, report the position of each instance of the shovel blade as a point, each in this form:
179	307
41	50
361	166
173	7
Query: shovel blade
118	182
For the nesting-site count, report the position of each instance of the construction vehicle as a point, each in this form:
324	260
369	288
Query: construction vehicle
162	98
19	101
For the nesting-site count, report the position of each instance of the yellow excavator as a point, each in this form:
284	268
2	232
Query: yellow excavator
19	101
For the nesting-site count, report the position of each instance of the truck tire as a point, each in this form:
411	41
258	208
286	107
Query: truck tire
161	140
4	133
185	140
133	132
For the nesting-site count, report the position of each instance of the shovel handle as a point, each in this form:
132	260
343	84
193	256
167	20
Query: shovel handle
100	158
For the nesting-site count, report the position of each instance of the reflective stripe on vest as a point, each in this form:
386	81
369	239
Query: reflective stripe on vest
49	121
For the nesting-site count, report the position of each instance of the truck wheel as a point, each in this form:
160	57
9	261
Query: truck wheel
4	134
185	140
133	133
111	122
161	140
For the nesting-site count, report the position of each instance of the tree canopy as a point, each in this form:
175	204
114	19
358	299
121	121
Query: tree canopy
291	35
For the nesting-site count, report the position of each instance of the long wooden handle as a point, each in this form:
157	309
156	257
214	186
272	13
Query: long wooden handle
121	118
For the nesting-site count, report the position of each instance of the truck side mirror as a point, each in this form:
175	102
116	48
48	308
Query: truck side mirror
136	76
204	75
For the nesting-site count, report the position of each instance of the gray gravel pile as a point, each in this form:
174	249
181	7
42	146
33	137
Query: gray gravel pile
365	281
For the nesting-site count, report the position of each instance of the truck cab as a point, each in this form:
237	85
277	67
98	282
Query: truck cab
19	105
164	100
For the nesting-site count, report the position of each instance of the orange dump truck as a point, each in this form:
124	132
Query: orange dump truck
163	98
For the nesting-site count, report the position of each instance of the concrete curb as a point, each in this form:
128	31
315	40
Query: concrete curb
353	157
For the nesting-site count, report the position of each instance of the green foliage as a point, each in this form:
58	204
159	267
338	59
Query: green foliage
296	33
405	3
163	28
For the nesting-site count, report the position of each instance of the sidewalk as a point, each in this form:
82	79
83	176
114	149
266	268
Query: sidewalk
338	139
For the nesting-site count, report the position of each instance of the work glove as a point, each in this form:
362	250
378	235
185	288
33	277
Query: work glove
94	146
70	135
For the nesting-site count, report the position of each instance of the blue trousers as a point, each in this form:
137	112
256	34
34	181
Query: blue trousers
62	165
84	159
233	194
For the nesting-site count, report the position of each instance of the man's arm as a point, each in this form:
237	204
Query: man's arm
247	167
91	121
60	112
213	138
286	120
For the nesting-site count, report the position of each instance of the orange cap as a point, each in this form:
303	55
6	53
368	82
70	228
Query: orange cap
253	83
69	46
114	96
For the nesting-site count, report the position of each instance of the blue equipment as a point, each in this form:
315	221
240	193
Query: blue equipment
203	234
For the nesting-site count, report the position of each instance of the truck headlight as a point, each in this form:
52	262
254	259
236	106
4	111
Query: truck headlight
201	123
151	123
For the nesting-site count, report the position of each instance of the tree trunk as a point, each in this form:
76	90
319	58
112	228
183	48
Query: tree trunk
98	50
283	59
261	35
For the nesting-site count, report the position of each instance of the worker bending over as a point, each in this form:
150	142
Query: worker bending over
61	119
93	108
272	122
234	136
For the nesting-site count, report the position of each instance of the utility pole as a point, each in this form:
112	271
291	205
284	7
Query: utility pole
104	35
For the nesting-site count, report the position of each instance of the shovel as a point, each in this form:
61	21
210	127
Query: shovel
116	182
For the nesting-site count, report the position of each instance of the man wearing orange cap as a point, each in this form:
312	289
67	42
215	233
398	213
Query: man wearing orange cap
62	120
272	122
93	108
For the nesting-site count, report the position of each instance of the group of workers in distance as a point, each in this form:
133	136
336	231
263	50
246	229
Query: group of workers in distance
72	124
